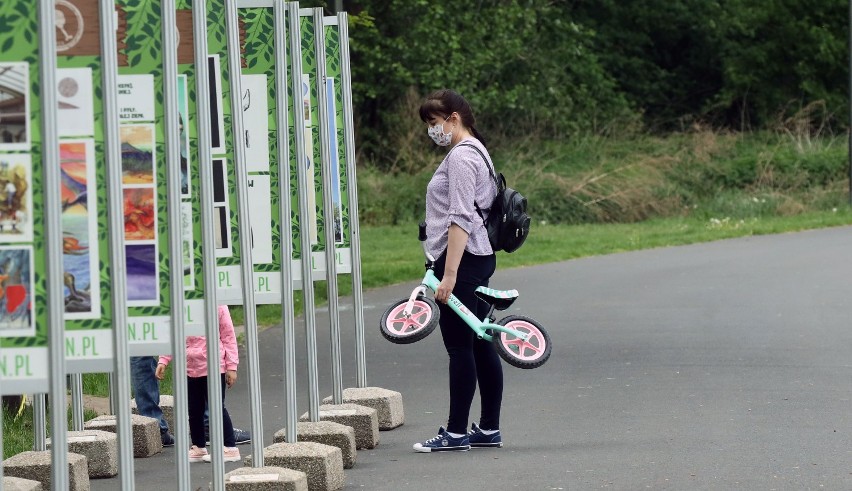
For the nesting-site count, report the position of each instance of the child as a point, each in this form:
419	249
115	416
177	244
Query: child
196	371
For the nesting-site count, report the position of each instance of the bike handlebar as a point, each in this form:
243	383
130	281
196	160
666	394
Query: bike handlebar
422	236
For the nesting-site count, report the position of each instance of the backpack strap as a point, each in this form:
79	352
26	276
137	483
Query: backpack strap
490	167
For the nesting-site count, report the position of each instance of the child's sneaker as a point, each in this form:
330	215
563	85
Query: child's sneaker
479	439
443	443
231	454
197	454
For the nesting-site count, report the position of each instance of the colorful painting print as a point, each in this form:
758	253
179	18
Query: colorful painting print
140	214
137	153
142	284
16	197
306	100
335	163
79	230
16	292
217	117
221	209
186	246
76	108
256	122
183	126
14	106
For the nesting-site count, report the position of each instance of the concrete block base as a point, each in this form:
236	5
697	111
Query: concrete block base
18	484
387	403
265	479
167	405
362	419
35	466
146	432
322	464
327	433
100	449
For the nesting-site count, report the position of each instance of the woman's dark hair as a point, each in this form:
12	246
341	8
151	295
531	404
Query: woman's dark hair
445	102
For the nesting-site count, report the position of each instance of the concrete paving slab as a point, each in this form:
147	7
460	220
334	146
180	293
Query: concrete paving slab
19	484
387	403
327	433
146	432
36	466
364	420
323	464
100	449
167	405
265	479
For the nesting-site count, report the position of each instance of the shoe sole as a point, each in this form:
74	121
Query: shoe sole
196	460
441	449
486	445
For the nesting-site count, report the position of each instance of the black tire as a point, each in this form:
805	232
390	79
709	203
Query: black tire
424	306
532	356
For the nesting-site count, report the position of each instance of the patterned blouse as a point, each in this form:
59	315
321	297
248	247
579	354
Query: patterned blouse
461	179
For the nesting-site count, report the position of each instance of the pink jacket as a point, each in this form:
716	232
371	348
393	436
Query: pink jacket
196	348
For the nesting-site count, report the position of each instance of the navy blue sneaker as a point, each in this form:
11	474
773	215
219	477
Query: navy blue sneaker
241	437
443	443
167	439
480	440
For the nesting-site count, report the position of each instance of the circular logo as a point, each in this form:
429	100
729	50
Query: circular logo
68	87
69	25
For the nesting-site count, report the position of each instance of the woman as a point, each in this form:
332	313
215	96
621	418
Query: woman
456	235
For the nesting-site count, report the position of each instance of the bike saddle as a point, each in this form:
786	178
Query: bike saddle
501	299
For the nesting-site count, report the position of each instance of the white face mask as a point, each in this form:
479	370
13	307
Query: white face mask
438	136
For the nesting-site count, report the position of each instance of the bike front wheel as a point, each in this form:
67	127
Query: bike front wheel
399	329
529	353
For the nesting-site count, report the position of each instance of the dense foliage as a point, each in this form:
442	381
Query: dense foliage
561	67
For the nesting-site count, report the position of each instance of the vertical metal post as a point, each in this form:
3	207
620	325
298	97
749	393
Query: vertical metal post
246	262
305	186
211	311
40	417
328	207
352	188
178	331
849	131
286	227
53	243
118	266
76	382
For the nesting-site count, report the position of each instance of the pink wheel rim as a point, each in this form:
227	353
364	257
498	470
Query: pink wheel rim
399	325
531	349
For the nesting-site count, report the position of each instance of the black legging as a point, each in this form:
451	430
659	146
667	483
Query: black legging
471	359
197	402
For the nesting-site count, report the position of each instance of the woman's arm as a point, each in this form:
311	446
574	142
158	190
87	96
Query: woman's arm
228	339
457	240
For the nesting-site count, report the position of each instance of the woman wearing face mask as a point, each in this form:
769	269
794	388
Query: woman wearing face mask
456	235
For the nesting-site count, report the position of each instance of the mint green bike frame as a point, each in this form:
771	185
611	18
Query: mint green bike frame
431	282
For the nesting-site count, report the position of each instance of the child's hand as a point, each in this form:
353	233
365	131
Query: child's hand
230	377
161	371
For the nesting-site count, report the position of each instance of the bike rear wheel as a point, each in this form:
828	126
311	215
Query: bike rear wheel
399	329
533	352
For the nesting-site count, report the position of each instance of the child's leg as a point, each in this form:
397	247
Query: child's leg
227	426
196	401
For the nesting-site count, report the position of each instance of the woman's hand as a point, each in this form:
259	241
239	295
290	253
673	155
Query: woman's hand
230	377
160	372
448	282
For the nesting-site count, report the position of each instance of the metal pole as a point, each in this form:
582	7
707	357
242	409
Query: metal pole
352	188
76	401
291	416
170	75
849	130
328	207
53	247
40	421
305	187
211	315
246	262
118	268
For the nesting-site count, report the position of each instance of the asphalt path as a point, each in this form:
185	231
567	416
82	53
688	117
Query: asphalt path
724	365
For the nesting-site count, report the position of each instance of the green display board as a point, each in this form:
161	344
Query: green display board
145	179
261	146
311	120
23	314
86	261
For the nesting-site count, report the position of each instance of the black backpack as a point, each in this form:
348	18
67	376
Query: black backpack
508	223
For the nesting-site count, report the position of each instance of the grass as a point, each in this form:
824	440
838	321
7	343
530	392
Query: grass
18	430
